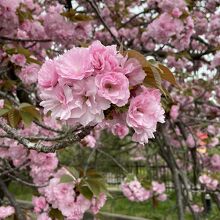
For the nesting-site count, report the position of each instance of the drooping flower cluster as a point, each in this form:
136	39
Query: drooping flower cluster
81	84
134	191
208	182
6	211
65	198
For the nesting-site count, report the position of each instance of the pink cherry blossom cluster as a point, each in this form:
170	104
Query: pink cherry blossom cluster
65	197
167	27
40	165
6	211
134	191
78	86
63	30
208	182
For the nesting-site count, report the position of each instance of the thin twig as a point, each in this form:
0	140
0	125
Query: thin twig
24	40
91	2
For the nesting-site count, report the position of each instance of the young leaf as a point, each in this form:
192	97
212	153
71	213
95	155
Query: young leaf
86	192
141	58
56	214
66	179
3	111
26	117
31	110
14	117
167	74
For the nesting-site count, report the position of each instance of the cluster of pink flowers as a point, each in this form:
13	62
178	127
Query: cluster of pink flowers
6	211
42	166
78	86
169	28
134	191
143	114
61	29
62	196
197	209
208	182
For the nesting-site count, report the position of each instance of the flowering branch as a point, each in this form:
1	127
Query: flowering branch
40	147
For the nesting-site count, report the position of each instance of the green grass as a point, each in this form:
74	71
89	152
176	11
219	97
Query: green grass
120	205
163	211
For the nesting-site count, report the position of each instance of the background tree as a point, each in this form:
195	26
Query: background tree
184	35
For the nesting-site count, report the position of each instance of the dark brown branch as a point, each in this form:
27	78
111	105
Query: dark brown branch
24	40
92	3
42	148
19	214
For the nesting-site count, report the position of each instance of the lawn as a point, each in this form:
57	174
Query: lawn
120	205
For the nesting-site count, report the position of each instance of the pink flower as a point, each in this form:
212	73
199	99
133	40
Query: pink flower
134	191
47	76
18	59
133	70
89	105
197	209
120	130
113	87
143	114
190	141
162	197
89	141
104	58
174	112
98	203
1	103
28	74
215	161
40	204
75	64
208	182
59	101
6	211
176	12
158	188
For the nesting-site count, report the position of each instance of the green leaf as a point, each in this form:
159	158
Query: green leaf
25	107
23	51
86	192
3	111
93	173
66	179
56	214
72	15
73	171
24	104
14	117
26	117
32	60
23	13
94	185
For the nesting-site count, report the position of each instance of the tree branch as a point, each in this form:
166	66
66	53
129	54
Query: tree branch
12	200
24	40
40	147
92	3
